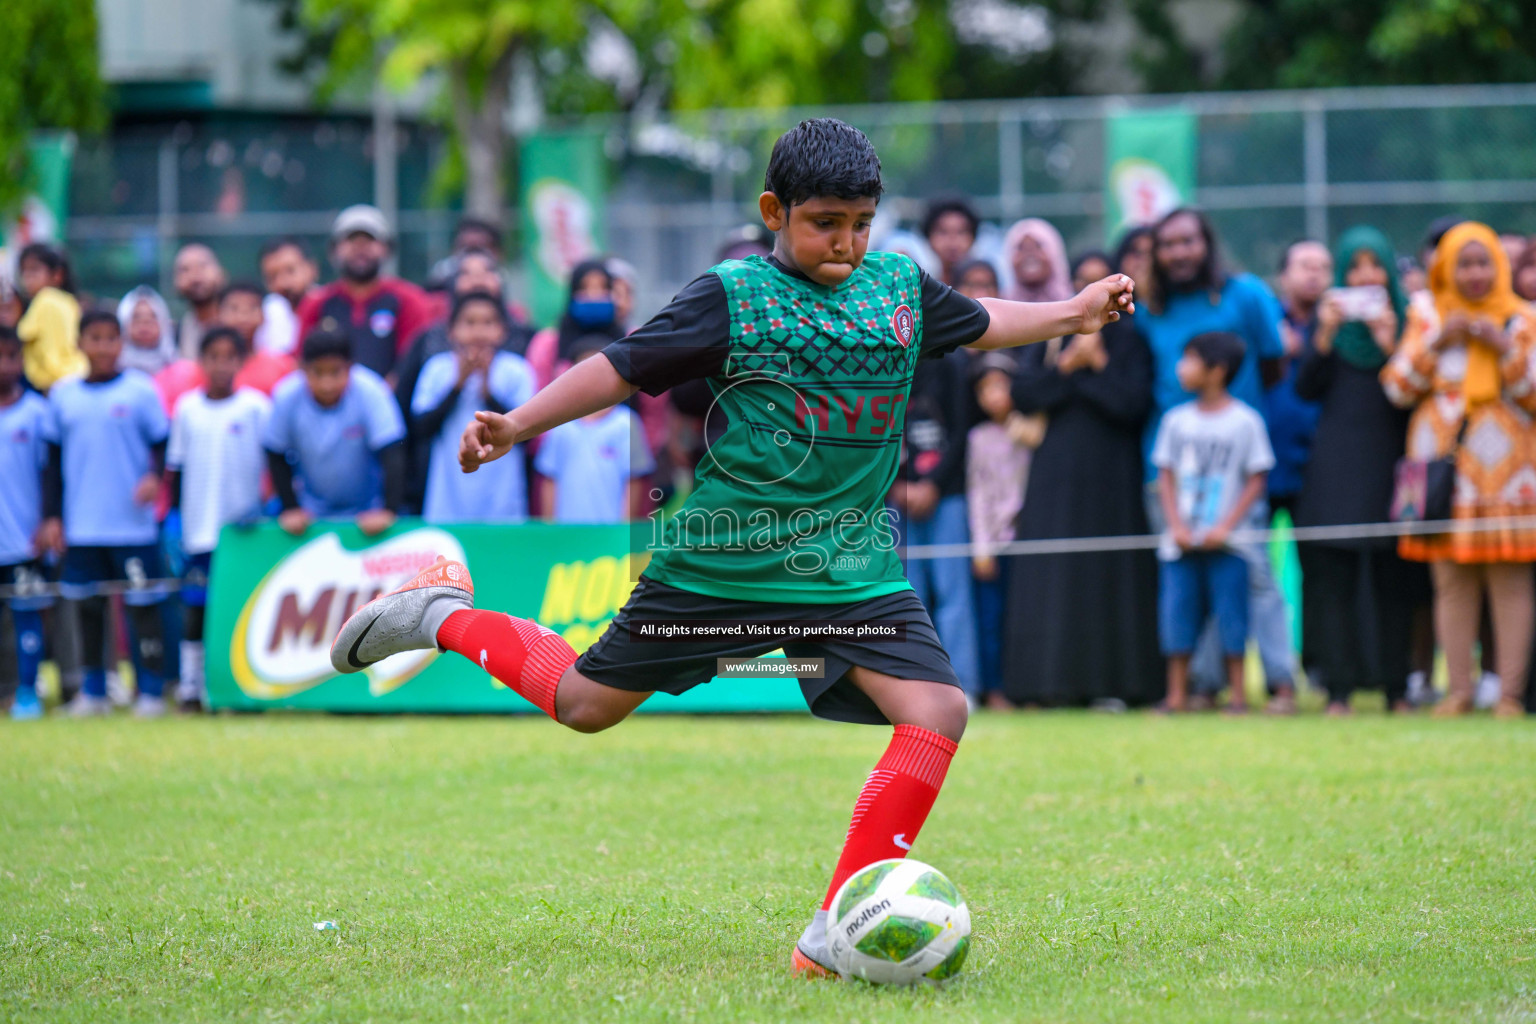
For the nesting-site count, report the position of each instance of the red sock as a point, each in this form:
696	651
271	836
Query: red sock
895	801
518	652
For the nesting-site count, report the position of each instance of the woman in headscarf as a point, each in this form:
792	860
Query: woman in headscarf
1037	258
589	309
1465	368
1358	596
149	333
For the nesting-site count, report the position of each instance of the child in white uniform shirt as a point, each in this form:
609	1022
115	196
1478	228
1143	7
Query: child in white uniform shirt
216	462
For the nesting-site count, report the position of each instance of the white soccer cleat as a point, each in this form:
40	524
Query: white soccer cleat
405	619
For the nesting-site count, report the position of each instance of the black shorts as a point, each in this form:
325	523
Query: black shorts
624	662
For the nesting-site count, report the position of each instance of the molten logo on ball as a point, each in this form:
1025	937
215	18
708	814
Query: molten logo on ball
898	922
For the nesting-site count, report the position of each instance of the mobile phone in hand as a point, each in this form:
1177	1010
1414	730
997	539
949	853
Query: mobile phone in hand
1364	303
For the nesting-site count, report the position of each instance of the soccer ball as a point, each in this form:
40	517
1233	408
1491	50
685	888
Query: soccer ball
898	922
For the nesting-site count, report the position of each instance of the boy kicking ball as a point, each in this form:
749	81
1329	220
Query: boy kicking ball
810	353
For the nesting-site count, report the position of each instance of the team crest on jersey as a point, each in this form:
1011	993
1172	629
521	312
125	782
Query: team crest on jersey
904	324
381	322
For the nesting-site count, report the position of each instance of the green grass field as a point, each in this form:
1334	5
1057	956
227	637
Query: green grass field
1118	868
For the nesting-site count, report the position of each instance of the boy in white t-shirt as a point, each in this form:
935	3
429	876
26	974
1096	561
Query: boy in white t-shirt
1213	458
216	461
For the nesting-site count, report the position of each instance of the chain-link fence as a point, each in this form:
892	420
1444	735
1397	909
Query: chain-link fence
1272	167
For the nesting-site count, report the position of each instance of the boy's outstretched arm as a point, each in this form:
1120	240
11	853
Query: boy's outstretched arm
590	386
1022	323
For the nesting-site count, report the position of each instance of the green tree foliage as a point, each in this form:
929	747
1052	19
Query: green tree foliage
700	54
1295	44
50	80
470	46
686	55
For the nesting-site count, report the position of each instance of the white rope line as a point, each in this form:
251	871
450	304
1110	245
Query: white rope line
1144	542
103	588
1051	546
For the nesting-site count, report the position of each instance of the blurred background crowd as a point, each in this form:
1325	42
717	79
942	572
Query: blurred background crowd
191	335
315	385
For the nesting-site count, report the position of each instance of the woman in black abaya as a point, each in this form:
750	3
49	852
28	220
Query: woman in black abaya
1083	627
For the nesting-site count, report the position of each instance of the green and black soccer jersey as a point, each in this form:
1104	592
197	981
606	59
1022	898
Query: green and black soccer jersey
812	383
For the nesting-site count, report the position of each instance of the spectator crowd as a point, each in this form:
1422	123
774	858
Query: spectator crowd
1361	387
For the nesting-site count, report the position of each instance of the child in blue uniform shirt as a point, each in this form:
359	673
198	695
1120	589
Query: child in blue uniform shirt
475	375
25	429
593	467
110	431
337	428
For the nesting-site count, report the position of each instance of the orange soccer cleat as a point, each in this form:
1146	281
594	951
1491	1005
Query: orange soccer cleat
405	619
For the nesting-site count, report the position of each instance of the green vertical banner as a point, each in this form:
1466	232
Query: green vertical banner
562	187
43	211
1149	167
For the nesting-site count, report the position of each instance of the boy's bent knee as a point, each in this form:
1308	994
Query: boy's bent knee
583	705
588	716
586	722
950	713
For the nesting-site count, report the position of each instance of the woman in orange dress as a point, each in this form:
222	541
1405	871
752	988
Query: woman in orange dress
1466	369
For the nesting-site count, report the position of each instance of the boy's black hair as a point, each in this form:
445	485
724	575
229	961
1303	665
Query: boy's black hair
243	288
1084	257
822	156
219	332
462	302
50	257
91	317
273	245
1220	349
478	224
8	337
949	204
323	344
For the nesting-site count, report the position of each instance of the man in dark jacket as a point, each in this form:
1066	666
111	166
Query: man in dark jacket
381	315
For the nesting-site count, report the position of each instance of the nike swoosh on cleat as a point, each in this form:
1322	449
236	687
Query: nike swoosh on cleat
352	654
899	838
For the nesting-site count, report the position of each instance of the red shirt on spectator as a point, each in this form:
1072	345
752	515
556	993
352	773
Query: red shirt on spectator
382	319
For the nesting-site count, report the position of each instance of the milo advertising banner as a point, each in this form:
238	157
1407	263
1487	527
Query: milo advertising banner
276	601
562	184
1150	166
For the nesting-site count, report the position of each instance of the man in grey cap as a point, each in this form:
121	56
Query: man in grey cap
381	314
